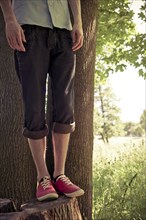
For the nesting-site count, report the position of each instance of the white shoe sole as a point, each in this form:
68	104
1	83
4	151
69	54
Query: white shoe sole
80	192
48	196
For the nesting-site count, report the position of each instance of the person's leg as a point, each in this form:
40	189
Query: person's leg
60	147
38	150
32	67
61	183
62	72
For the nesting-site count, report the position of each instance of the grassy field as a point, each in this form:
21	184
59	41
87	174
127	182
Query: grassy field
119	183
117	147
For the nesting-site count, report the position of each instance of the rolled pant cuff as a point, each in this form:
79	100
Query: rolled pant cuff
35	134
63	128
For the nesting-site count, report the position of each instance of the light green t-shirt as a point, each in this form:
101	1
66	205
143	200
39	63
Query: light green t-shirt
45	13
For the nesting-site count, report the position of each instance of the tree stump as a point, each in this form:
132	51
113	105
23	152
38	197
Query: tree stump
7	205
61	209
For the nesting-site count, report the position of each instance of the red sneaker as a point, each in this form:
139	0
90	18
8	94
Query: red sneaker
45	190
64	186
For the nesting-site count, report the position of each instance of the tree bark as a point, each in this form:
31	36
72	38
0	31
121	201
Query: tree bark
17	172
7	205
61	209
79	162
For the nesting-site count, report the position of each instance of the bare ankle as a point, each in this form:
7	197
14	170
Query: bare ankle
40	176
57	174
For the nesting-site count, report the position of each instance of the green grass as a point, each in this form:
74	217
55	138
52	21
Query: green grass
119	183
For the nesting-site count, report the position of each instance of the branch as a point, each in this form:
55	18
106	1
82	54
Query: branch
129	184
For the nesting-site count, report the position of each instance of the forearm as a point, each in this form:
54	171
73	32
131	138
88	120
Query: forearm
7	10
76	11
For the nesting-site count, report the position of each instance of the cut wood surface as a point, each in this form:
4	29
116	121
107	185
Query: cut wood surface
61	209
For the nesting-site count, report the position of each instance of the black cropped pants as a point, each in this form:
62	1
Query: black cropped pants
48	51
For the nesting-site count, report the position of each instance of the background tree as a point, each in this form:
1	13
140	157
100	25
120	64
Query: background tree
118	45
133	129
143	120
138	131
107	119
17	173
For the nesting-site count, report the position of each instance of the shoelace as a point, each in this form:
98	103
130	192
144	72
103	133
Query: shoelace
45	183
65	179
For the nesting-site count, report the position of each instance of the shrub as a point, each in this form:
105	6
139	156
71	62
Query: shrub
119	187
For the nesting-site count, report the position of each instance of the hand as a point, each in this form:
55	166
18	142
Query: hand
15	35
77	36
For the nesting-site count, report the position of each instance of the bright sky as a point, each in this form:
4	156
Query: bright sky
128	86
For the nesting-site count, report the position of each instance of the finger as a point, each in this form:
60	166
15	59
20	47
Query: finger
78	46
23	36
78	43
12	43
15	44
20	43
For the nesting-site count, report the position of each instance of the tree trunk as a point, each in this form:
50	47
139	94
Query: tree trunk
17	172
79	163
18	176
79	160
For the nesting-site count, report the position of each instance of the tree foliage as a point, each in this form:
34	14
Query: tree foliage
118	43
